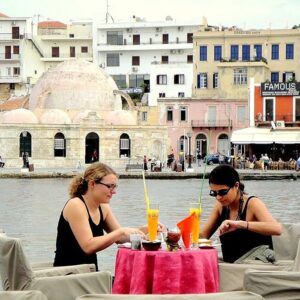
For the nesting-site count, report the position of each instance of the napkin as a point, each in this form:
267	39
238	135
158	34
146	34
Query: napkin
185	227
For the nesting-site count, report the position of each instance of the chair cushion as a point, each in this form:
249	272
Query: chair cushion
286	244
15	270
22	295
287	253
275	285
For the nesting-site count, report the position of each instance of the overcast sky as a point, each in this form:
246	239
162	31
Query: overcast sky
242	13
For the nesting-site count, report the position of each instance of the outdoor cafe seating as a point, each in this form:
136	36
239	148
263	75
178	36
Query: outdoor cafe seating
57	283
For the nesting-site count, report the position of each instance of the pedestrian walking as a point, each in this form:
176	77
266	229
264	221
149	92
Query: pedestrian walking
145	163
199	157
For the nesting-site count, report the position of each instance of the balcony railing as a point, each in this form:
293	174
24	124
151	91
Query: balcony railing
240	59
5	36
67	55
9	57
265	120
10	79
211	123
127	42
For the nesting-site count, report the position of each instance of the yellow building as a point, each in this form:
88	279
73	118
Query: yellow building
226	58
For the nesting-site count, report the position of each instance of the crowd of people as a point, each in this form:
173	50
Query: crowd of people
265	162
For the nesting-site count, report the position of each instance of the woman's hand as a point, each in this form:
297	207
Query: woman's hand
125	234
160	228
230	225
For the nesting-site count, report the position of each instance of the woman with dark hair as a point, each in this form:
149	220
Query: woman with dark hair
87	215
244	222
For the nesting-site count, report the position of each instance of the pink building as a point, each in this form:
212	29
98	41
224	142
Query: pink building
209	123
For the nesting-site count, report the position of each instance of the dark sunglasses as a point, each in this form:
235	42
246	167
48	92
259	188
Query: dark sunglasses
109	186
219	192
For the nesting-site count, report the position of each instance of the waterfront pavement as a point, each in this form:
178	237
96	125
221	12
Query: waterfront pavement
166	173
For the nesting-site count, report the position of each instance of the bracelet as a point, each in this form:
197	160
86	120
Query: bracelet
247	228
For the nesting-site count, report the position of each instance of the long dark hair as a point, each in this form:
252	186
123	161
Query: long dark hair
225	175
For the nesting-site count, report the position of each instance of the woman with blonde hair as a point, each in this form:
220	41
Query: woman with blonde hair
87	215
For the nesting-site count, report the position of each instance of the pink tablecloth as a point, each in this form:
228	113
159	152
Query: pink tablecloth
162	272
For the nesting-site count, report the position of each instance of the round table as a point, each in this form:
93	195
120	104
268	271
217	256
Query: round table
164	272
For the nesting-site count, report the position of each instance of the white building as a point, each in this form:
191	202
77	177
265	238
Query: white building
27	50
12	75
157	56
55	42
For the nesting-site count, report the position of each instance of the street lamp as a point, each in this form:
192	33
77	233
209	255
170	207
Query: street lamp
189	134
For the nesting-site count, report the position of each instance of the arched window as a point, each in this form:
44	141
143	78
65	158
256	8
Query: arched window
124	145
59	145
92	153
201	144
25	143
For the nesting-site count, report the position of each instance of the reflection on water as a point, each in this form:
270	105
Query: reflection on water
30	208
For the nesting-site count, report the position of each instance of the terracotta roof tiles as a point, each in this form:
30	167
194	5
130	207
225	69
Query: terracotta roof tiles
3	15
20	102
52	24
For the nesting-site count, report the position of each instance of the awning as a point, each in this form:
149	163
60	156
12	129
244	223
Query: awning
254	135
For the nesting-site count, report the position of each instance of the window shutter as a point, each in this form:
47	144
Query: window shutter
198	81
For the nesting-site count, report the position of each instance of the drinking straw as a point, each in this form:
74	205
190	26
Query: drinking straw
146	192
204	172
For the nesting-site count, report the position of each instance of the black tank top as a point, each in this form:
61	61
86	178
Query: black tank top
238	242
68	251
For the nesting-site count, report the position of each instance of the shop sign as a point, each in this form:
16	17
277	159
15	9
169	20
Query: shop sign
280	89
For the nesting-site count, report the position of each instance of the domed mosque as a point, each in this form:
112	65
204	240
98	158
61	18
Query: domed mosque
76	115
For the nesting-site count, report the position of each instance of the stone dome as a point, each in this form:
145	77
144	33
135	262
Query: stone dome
54	116
75	85
19	116
121	117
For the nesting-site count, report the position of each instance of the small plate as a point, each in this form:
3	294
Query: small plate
204	246
204	241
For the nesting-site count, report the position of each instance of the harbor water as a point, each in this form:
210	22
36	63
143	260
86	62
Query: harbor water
30	208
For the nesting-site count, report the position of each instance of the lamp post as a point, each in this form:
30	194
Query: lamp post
189	168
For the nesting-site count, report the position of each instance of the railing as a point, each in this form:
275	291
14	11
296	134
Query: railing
10	79
4	36
211	123
63	36
156	62
12	56
279	117
67	55
130	43
240	59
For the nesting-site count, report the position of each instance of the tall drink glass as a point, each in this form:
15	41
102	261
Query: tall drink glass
152	220
195	208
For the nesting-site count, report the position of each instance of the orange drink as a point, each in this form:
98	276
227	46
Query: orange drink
194	208
152	220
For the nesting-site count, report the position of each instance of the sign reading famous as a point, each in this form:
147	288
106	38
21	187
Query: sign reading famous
280	89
